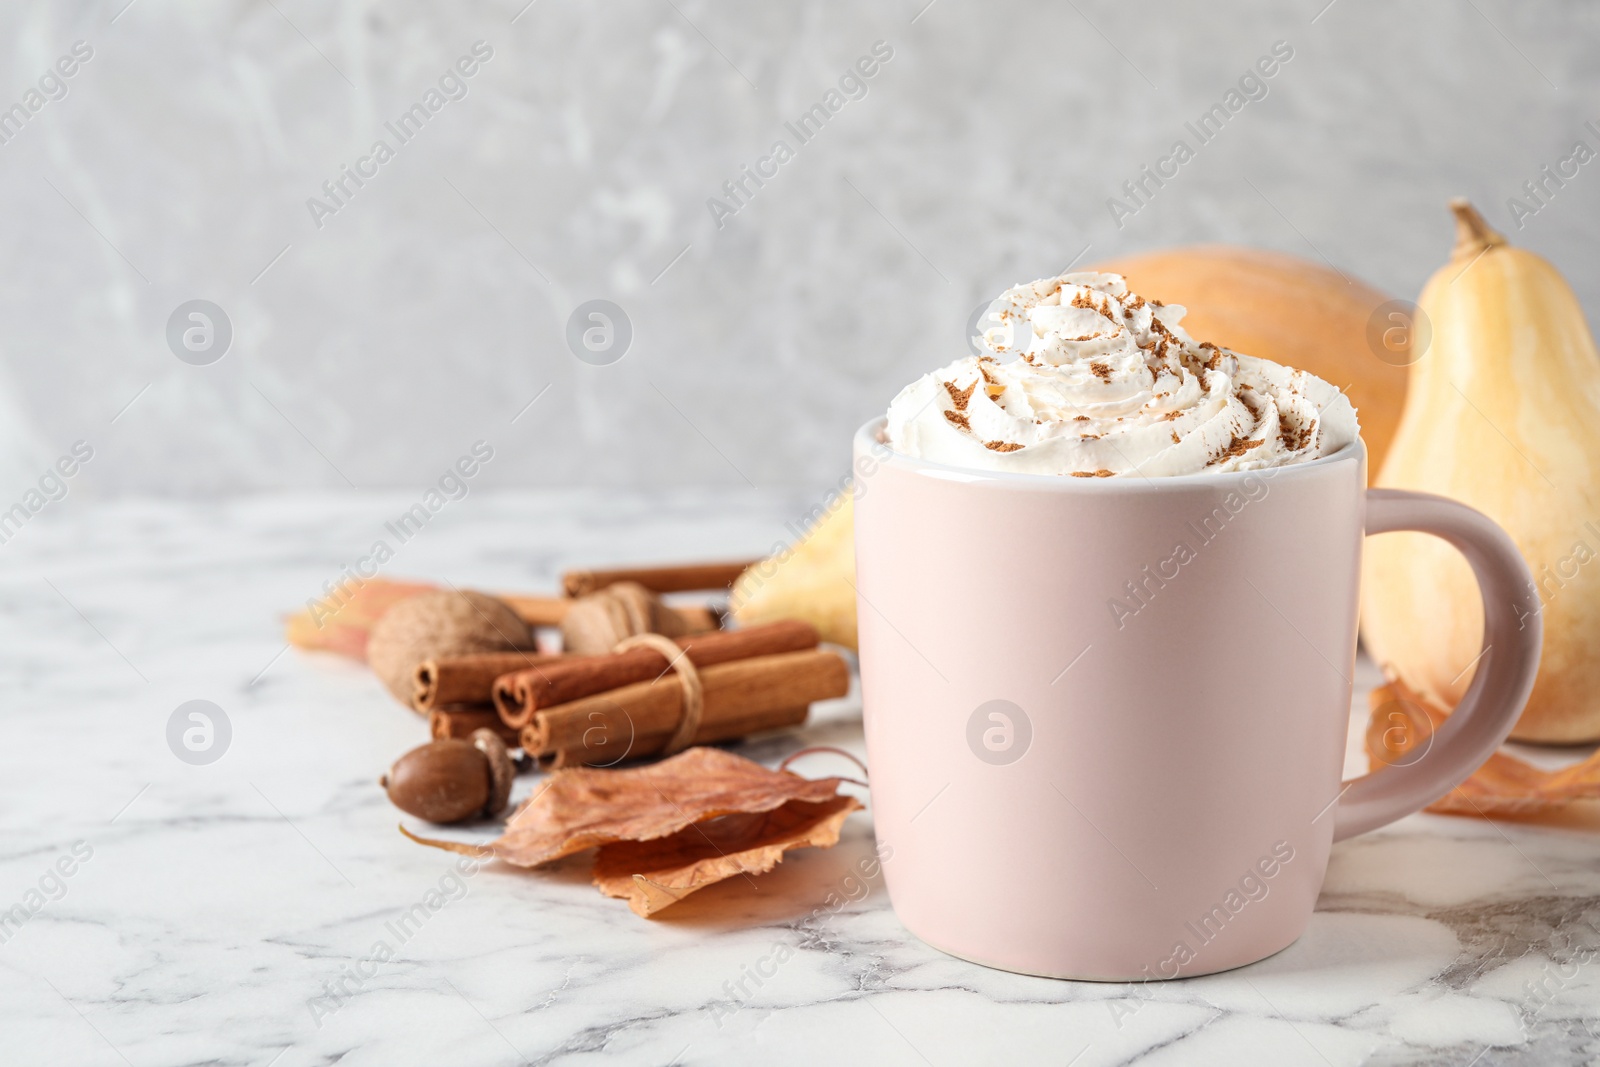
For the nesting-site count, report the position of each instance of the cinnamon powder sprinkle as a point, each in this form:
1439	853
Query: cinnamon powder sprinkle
960	397
1102	473
1172	416
1084	300
958	419
1294	440
1081	418
1238	448
1101	371
1001	446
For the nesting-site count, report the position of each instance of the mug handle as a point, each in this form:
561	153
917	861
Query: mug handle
1506	667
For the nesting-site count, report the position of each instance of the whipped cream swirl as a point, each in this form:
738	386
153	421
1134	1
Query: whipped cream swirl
1100	382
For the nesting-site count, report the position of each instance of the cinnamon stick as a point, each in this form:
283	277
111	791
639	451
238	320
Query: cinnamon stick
679	578
600	751
469	679
538	610
461	721
740	697
519	695
700	618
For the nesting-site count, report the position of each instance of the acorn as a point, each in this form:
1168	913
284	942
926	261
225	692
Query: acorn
451	780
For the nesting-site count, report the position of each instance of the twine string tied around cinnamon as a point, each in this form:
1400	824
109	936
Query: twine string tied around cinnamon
688	678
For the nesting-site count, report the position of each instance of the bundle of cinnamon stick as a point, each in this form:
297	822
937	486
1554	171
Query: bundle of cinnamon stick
609	706
625	705
456	692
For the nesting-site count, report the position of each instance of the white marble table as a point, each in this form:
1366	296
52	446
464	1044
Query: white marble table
209	908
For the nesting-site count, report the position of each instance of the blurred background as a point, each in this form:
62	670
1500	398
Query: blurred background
197	152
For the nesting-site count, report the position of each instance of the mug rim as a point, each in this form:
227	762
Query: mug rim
868	436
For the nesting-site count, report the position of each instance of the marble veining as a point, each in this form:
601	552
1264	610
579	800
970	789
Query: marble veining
231	913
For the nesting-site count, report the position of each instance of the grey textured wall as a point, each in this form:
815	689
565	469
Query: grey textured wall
427	311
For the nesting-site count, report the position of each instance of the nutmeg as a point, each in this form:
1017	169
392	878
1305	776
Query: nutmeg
442	623
451	780
596	622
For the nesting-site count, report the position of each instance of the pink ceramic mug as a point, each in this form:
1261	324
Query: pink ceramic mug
1106	717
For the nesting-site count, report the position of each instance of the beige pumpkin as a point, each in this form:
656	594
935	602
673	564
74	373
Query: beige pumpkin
1289	310
1503	414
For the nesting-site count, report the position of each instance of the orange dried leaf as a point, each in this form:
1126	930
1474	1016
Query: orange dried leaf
341	622
1401	721
652	875
583	807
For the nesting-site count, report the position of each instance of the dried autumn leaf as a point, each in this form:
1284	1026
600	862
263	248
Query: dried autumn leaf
1402	721
583	807
341	623
652	875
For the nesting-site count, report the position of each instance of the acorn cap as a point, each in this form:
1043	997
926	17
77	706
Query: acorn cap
501	770
445	622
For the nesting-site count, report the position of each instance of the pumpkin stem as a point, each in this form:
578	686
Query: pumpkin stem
1473	234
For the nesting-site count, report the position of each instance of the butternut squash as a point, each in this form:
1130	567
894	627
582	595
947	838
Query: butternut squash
1503	414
